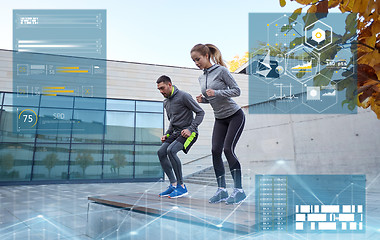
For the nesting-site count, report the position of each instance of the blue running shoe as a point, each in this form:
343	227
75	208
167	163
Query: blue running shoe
167	192
179	192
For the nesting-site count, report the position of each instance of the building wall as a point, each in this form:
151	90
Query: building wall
311	144
345	144
137	81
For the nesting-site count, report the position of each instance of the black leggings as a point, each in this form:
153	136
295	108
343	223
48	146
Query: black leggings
171	150
225	135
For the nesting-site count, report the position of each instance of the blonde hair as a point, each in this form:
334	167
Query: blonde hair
211	50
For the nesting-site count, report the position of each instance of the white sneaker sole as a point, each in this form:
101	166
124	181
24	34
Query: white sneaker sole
186	193
221	200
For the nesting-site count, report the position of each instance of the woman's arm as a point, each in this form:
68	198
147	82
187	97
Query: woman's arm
233	89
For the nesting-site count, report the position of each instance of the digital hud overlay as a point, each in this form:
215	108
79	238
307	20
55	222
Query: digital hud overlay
57	53
302	63
310	203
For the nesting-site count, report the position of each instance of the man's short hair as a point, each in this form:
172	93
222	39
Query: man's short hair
164	79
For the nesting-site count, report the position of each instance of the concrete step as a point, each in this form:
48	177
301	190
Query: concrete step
207	177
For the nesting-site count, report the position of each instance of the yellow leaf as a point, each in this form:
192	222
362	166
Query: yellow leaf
298	10
282	3
371	41
304	2
346	5
360	6
375	104
312	9
334	3
370	7
375	28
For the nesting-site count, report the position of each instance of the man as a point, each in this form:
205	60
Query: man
181	134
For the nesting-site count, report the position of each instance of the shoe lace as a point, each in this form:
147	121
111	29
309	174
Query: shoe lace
234	192
218	192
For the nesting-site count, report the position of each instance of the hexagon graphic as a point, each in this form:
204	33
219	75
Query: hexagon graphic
338	67
284	94
319	98
318	35
301	63
265	64
282	31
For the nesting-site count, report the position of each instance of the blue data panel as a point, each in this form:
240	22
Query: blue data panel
310	203
302	63
60	55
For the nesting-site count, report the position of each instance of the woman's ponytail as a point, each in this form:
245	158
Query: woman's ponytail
215	54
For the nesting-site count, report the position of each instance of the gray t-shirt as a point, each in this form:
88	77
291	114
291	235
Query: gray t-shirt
220	79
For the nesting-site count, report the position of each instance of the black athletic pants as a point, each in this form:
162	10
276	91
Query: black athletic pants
225	135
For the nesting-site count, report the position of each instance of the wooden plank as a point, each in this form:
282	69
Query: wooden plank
236	218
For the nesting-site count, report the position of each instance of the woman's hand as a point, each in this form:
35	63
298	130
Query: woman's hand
210	92
199	98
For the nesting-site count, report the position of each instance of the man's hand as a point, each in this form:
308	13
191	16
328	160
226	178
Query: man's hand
210	92
185	133
163	138
199	98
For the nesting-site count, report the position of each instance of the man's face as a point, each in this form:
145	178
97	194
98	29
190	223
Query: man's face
165	88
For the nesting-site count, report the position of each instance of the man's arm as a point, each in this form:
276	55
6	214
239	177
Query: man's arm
194	106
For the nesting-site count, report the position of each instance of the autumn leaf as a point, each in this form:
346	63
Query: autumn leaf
333	3
363	22
322	6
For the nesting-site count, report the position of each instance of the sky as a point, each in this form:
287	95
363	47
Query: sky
161	31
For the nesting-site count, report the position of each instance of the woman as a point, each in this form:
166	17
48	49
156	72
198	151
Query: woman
217	87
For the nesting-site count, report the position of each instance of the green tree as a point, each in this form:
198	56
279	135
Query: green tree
84	160
50	161
7	162
118	161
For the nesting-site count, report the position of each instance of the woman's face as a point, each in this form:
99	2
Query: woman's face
201	61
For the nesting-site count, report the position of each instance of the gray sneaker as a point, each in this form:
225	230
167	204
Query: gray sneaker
236	197
219	196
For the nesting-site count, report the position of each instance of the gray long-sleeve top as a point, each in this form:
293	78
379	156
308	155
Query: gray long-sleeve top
179	108
221	81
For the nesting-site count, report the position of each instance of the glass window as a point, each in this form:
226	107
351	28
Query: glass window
57	101
120	127
149	128
144	106
1	98
16	161
88	126
7	127
54	125
86	161
118	161
121	105
90	103
51	162
147	164
21	99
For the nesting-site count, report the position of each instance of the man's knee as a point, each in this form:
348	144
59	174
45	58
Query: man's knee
162	152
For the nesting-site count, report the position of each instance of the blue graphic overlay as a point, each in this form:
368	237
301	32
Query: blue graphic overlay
57	53
302	63
310	203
